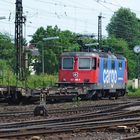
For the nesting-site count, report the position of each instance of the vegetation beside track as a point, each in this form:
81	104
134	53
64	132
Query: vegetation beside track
133	92
41	80
33	81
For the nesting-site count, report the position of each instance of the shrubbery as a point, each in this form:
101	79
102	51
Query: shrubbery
134	92
33	81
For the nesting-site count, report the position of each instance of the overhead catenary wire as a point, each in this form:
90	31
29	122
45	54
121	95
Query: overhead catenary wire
71	18
62	16
47	12
104	5
117	5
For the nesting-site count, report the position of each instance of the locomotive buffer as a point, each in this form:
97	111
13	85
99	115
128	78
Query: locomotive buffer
41	109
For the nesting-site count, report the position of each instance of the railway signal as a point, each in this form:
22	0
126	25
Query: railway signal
137	51
41	110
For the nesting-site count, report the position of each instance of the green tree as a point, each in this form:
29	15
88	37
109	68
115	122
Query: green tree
52	49
124	24
7	50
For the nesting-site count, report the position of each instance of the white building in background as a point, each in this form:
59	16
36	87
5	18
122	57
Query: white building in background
32	71
31	68
34	52
135	83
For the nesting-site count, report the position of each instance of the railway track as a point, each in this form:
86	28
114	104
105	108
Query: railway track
93	116
73	110
77	122
90	114
65	127
137	137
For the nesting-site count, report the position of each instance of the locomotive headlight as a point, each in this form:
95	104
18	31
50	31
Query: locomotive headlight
64	79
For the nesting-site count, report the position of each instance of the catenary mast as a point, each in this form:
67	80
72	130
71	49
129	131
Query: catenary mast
19	20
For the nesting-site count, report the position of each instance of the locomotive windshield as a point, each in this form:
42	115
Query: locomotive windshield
87	63
67	63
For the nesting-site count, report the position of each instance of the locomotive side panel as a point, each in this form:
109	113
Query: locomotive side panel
111	74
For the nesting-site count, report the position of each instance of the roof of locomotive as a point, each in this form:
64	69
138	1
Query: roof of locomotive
94	54
79	54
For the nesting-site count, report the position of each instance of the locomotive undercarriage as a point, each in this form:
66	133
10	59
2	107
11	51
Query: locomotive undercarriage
92	91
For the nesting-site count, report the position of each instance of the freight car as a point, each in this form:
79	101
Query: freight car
94	74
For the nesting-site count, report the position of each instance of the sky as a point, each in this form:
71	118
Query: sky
80	16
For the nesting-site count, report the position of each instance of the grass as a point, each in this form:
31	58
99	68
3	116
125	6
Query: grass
33	81
133	92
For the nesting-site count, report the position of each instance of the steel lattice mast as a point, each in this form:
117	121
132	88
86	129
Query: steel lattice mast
19	20
100	30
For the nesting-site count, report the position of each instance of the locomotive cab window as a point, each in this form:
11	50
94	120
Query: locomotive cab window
113	64
67	63
120	65
84	63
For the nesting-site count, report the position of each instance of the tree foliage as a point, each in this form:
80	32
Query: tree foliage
7	59
123	32
7	49
124	24
52	48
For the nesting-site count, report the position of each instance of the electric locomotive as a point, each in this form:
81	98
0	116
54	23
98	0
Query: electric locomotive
94	74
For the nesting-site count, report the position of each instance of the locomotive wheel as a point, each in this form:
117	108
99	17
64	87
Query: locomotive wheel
92	95
95	97
123	92
110	96
114	96
99	95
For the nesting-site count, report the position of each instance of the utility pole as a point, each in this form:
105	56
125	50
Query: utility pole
100	30
20	57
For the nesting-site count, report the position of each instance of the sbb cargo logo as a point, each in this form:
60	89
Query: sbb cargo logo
109	76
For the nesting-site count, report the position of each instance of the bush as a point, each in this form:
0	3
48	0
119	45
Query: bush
7	78
35	81
136	92
131	89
